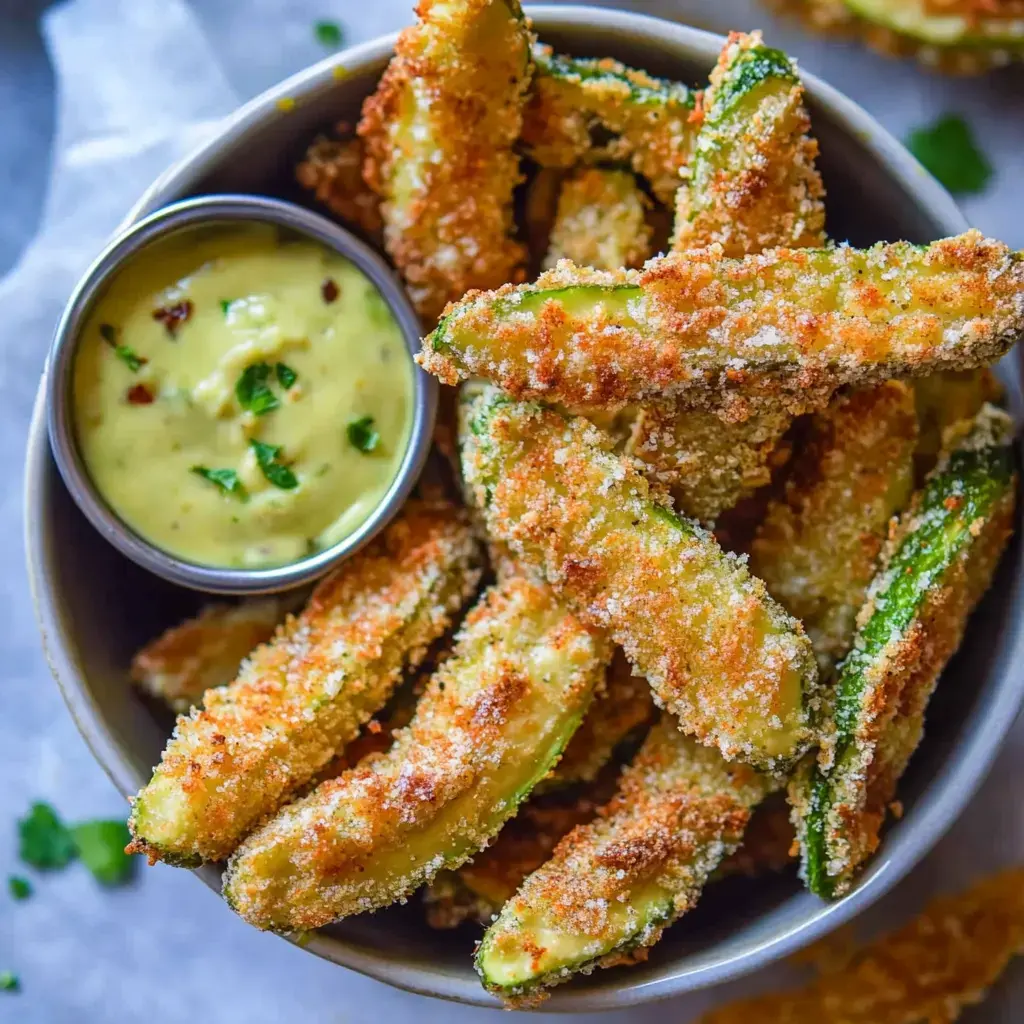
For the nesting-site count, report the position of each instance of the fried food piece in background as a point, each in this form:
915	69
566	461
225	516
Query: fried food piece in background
752	184
600	220
540	207
786	327
769	843
493	720
942	558
612	887
439	135
944	399
300	698
957	37
817	548
185	661
648	122
942	961
333	171
718	652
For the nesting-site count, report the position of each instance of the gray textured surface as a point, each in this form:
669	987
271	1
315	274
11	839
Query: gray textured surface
165	949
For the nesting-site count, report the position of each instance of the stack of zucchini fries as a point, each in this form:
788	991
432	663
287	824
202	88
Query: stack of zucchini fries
731	506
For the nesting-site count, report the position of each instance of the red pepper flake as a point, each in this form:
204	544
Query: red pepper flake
172	317
329	290
953	502
139	394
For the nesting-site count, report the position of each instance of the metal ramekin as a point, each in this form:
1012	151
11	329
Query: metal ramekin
189	215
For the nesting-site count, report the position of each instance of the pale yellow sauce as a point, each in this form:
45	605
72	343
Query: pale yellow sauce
250	298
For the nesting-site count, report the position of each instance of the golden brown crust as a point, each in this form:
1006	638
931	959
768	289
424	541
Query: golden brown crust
333	171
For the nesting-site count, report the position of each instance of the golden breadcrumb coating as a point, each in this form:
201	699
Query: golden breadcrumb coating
717	650
439	133
752	183
787	326
600	221
300	698
927	972
493	719
817	548
333	171
185	661
612	886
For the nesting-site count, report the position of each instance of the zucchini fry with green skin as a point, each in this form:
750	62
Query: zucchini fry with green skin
185	661
945	399
787	327
718	652
612	887
439	135
942	559
752	183
601	221
494	719
300	698
652	121
817	548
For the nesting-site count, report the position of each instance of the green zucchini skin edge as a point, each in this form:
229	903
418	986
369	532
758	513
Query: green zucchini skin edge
976	478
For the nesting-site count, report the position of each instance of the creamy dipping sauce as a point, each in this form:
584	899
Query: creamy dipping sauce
242	398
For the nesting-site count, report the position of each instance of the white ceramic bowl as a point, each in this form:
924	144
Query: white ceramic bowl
95	608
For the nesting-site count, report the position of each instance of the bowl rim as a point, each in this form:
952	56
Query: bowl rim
199	213
936	808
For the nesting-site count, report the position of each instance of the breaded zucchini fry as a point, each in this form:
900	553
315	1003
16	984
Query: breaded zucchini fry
613	886
299	699
333	171
752	184
185	661
817	548
494	719
943	556
540	208
718	652
944	399
786	326
601	221
651	121
769	842
439	133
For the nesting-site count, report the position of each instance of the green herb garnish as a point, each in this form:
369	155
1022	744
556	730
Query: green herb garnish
328	33
286	376
362	434
948	149
226	479
225	305
19	887
44	842
9	981
253	390
101	845
276	472
127	355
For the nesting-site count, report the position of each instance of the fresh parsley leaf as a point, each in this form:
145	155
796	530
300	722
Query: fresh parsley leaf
44	841
362	434
253	390
226	479
9	981
328	33
18	887
948	149
225	305
277	473
286	376
101	845
127	355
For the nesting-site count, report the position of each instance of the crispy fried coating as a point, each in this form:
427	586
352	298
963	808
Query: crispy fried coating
717	650
612	886
439	133
787	326
300	698
333	171
942	961
493	719
817	548
600	221
185	661
752	183
647	122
